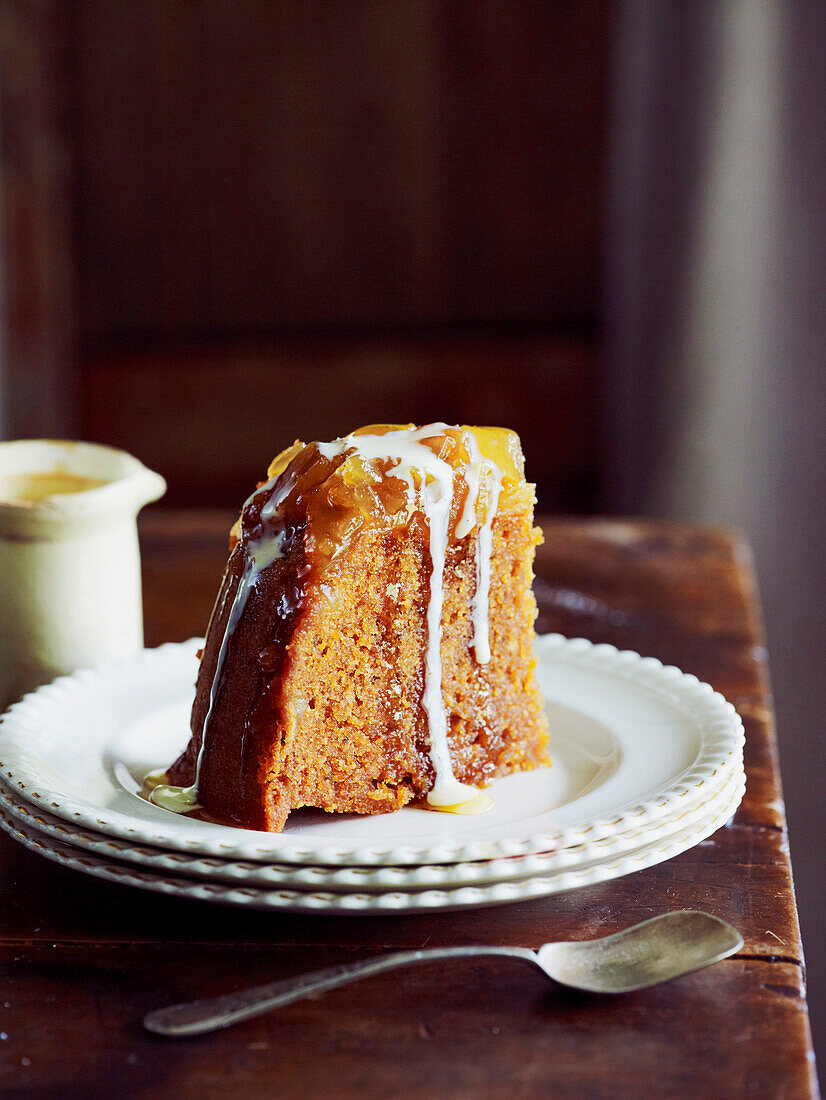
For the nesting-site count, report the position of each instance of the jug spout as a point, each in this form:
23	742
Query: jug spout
48	486
144	486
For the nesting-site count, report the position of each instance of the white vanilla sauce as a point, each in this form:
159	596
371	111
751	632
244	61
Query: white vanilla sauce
476	469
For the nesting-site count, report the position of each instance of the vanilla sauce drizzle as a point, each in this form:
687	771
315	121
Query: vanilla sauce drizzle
407	452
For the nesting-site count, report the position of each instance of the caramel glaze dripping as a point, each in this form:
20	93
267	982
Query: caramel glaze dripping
271	529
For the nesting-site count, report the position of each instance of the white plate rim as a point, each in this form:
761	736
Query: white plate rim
380	878
390	902
720	750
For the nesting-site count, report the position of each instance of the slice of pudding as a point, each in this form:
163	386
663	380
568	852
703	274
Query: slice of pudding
371	643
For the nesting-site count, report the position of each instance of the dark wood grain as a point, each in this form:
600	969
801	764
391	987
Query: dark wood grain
82	960
452	1031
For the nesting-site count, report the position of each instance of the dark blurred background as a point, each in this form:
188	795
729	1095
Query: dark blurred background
238	223
228	223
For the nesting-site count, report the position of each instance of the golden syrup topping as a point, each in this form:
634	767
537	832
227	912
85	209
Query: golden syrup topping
357	480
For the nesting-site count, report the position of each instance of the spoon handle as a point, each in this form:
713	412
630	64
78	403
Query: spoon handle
198	1017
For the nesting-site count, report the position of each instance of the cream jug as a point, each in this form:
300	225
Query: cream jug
70	580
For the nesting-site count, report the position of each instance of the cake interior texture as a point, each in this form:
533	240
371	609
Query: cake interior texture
358	572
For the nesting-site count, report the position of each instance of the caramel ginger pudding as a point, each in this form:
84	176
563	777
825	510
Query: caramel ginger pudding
371	643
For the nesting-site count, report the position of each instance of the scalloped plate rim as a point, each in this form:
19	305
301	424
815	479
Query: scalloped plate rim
720	750
387	903
379	878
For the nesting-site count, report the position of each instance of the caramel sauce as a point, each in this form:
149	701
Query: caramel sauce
32	488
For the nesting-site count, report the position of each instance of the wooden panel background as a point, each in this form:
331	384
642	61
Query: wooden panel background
217	417
288	219
38	322
258	164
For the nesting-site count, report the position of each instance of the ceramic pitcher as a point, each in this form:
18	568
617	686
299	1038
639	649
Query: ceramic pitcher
70	581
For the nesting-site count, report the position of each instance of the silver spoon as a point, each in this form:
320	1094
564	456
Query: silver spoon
645	954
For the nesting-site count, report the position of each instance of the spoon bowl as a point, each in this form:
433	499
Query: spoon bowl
645	954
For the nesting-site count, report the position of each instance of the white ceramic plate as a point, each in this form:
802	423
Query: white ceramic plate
373	879
632	740
317	901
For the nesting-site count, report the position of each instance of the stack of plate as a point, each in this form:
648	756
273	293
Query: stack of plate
647	762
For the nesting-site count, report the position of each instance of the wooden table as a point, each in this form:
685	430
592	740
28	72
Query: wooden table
83	959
